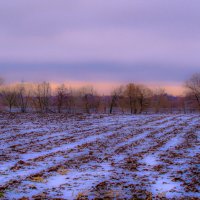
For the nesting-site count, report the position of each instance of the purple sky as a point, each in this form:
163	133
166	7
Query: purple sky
116	41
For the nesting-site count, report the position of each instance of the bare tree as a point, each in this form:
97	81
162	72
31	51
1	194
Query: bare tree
113	102
43	96
89	98
9	96
61	95
23	96
132	92
160	100
70	101
193	86
182	101
116	96
104	102
144	97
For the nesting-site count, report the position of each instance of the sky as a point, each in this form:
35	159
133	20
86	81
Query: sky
100	42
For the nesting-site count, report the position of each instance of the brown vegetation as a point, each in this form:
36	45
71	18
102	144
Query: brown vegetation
132	98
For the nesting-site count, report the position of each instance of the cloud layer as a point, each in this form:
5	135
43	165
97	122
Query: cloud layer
116	40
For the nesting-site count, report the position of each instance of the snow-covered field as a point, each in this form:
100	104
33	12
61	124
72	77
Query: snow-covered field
99	156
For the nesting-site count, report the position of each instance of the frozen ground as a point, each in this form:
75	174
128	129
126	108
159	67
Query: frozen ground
99	156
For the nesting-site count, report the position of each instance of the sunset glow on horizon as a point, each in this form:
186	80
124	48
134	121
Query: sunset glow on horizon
104	88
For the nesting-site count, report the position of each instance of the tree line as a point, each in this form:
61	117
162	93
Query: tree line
131	98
